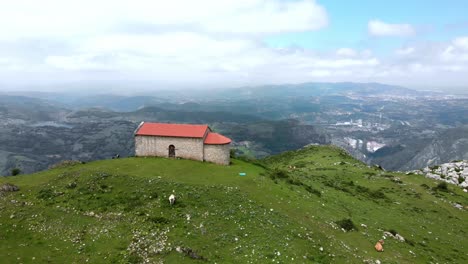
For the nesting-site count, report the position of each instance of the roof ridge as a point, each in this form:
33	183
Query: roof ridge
172	130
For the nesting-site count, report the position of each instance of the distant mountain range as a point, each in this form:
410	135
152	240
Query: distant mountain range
395	127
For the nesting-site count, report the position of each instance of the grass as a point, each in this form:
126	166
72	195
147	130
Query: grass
284	210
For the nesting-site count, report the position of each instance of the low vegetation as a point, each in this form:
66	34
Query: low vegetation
314	205
15	171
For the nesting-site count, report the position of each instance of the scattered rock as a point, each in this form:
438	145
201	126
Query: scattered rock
189	253
399	238
8	187
396	236
453	172
388	234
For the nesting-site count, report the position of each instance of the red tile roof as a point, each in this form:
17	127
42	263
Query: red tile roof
216	139
171	130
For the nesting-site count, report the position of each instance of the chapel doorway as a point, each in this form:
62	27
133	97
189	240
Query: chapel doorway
171	151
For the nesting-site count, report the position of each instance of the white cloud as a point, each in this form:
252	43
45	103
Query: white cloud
380	29
62	18
270	17
320	73
188	58
461	42
208	42
457	51
346	52
405	51
344	63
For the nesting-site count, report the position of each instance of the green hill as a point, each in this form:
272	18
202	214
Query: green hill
292	208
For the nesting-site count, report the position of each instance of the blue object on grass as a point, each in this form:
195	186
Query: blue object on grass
242	173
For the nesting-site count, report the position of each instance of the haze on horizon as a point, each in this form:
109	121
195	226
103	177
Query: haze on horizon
230	43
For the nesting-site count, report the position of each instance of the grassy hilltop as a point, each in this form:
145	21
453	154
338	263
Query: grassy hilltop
304	206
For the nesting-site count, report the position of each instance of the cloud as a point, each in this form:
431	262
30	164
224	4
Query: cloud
404	51
78	19
195	57
455	52
346	52
207	42
461	42
382	29
189	58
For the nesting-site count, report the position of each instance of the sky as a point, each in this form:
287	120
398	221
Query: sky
230	43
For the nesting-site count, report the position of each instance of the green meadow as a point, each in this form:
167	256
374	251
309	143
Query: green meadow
314	205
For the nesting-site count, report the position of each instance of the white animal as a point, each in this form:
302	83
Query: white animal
172	199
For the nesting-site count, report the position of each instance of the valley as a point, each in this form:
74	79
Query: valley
394	127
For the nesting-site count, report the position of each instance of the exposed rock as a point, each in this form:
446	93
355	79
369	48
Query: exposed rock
189	253
454	173
399	238
8	187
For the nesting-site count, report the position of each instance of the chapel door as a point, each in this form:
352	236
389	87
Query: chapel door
171	151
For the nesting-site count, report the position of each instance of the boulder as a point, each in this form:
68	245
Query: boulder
8	187
399	238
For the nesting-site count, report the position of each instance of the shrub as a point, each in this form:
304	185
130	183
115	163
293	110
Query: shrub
46	194
294	182
154	195
65	163
377	194
71	185
378	167
460	179
409	242
300	164
278	174
232	153
425	186
350	183
158	220
15	171
313	190
442	186
362	189
347	224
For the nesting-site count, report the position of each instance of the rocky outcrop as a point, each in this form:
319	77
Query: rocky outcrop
8	187
452	144
453	172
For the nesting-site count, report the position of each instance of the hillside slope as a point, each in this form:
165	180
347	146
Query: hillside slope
288	210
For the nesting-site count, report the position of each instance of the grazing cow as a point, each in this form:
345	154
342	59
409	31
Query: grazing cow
379	245
172	199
